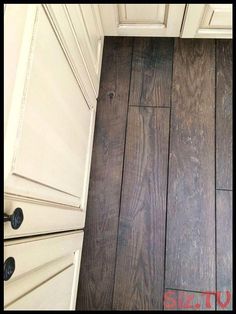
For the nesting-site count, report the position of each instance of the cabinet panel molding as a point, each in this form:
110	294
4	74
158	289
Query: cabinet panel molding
47	150
88	31
64	29
142	14
207	21
38	260
142	19
40	298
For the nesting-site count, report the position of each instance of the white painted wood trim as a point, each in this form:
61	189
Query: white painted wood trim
81	52
192	21
13	127
74	291
56	20
109	25
112	27
214	33
100	52
89	160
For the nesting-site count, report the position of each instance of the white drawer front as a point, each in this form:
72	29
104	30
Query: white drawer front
54	294
40	259
41	218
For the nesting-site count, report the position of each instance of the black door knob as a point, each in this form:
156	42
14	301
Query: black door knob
16	218
9	268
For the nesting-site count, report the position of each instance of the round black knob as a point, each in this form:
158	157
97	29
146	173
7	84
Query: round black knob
9	268
16	218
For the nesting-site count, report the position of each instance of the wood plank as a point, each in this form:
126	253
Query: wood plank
224	243
190	248
99	250
140	252
188	300
224	114
151	72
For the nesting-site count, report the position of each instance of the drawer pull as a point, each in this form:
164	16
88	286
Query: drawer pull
9	268
16	218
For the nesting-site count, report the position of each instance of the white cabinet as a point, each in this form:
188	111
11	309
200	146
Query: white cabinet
167	20
207	21
49	108
46	272
142	19
52	64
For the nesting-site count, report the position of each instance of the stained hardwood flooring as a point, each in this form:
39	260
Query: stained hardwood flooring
158	231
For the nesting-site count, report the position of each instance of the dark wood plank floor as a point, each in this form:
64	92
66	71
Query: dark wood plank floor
160	206
141	238
224	114
191	191
224	242
100	241
151	72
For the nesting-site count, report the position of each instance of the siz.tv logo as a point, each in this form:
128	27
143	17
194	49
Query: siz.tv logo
174	299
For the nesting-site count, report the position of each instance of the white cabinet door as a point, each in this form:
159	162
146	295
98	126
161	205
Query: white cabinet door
46	272
207	21
50	122
142	19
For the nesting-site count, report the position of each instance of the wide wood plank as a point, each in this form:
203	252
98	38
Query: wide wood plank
99	249
188	300
140	253
190	248
224	114
151	72
224	244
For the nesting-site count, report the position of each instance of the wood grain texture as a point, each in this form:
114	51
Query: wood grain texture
140	253
188	300
151	72
224	114
190	248
99	249
224	243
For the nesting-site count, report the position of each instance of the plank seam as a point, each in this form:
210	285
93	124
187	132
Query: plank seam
187	290
122	177
149	106
167	178
215	171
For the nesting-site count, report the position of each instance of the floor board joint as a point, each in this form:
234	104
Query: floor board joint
122	177
215	172
167	183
